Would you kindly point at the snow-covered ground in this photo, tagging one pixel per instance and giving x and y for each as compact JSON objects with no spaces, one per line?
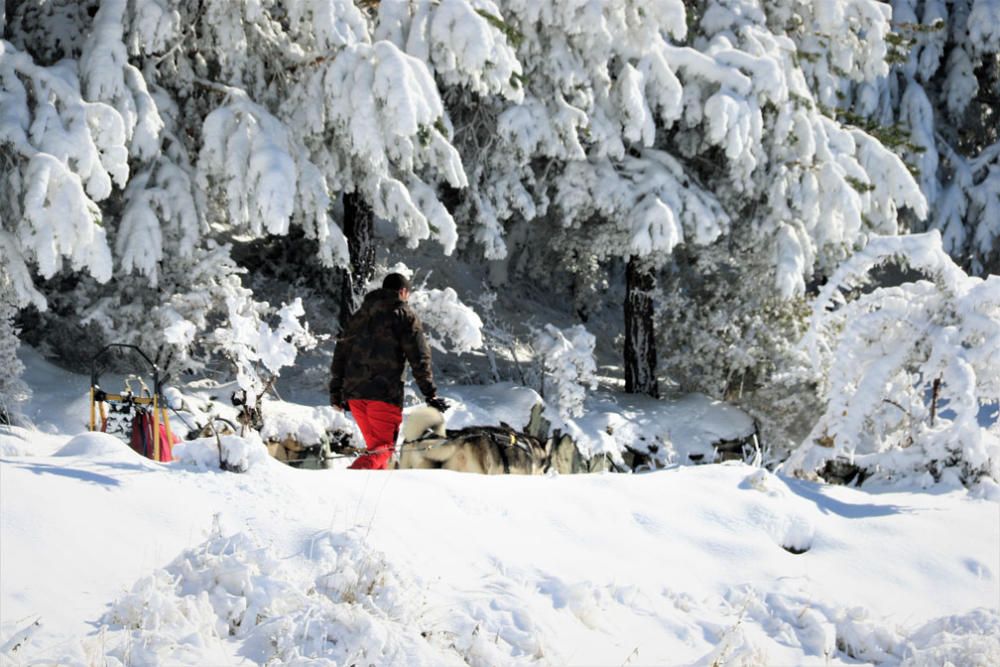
{"x":108,"y":558}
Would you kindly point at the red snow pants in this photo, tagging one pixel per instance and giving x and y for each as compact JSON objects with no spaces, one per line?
{"x":379,"y":423}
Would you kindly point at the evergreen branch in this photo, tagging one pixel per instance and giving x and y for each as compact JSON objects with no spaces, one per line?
{"x":513,"y":35}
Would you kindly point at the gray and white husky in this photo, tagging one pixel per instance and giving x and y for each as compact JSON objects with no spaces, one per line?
{"x":488,"y":450}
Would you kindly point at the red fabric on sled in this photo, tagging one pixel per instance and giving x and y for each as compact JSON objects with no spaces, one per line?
{"x":379,"y":423}
{"x":142,"y":434}
{"x":142,"y":438}
{"x":167,"y":444}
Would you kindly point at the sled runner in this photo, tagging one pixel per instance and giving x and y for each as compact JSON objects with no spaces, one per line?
{"x":136,"y":415}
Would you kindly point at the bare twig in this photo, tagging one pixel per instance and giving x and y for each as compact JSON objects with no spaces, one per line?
{"x":892,"y":402}
{"x":633,"y":654}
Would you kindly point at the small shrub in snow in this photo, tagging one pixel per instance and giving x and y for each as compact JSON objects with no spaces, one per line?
{"x":727,"y":334}
{"x":904,"y":371}
{"x":497,"y":334}
{"x":568,"y":359}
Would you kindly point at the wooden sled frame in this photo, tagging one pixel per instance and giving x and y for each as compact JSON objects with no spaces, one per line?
{"x":100,"y":398}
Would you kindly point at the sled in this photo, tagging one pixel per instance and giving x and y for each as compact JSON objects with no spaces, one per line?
{"x":137,"y":414}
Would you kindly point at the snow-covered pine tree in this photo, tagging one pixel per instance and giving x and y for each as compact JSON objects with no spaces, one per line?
{"x":592,"y":77}
{"x":188,"y":126}
{"x":60,"y":156}
{"x":697,"y":126}
{"x":938,"y":108}
{"x":470,"y":49}
{"x":465,"y":49}
{"x":803,"y":188}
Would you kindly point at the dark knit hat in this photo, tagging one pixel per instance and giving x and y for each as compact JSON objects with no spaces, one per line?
{"x":395,"y":282}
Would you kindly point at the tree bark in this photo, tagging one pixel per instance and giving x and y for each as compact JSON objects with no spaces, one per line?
{"x":640,"y":345}
{"x":359,"y":228}
{"x":935,"y":395}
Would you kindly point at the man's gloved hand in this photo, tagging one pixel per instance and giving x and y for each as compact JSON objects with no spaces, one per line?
{"x":438,"y":403}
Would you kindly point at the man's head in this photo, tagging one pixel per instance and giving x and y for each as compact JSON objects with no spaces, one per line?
{"x":397,"y":282}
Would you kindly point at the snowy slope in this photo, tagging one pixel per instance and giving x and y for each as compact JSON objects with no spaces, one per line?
{"x":125,"y":560}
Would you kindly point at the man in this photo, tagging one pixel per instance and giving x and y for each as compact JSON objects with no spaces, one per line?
{"x":369,"y":364}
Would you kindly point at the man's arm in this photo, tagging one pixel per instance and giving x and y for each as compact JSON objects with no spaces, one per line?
{"x":341,"y":353}
{"x":418,"y":353}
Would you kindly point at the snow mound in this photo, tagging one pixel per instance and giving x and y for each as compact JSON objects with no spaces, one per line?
{"x":98,"y":446}
{"x":12,"y":447}
{"x":339,"y":603}
{"x":747,"y":617}
{"x":238,"y":453}
{"x":682,"y":430}
{"x":966,"y":639}
{"x":781,"y":514}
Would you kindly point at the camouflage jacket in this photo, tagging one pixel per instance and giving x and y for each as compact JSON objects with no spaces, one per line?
{"x":369,"y":361}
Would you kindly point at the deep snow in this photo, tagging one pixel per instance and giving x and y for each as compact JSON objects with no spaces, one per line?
{"x":121,"y":559}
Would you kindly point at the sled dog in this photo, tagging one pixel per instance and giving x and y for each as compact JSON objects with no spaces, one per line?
{"x":488,"y":450}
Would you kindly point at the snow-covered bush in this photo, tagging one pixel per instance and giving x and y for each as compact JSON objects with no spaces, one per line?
{"x":724,"y":334}
{"x":252,"y":345}
{"x":567,"y":356}
{"x":348,"y":602}
{"x":451,"y":325}
{"x":500,"y":342}
{"x":904,"y":371}
{"x":239,"y":453}
{"x":448,"y":318}
{"x":306,"y":426}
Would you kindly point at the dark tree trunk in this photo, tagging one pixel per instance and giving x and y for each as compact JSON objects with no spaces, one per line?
{"x":640,"y":347}
{"x":359,"y":229}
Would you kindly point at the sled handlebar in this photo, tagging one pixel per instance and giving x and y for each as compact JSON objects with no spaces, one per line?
{"x":95,"y":375}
